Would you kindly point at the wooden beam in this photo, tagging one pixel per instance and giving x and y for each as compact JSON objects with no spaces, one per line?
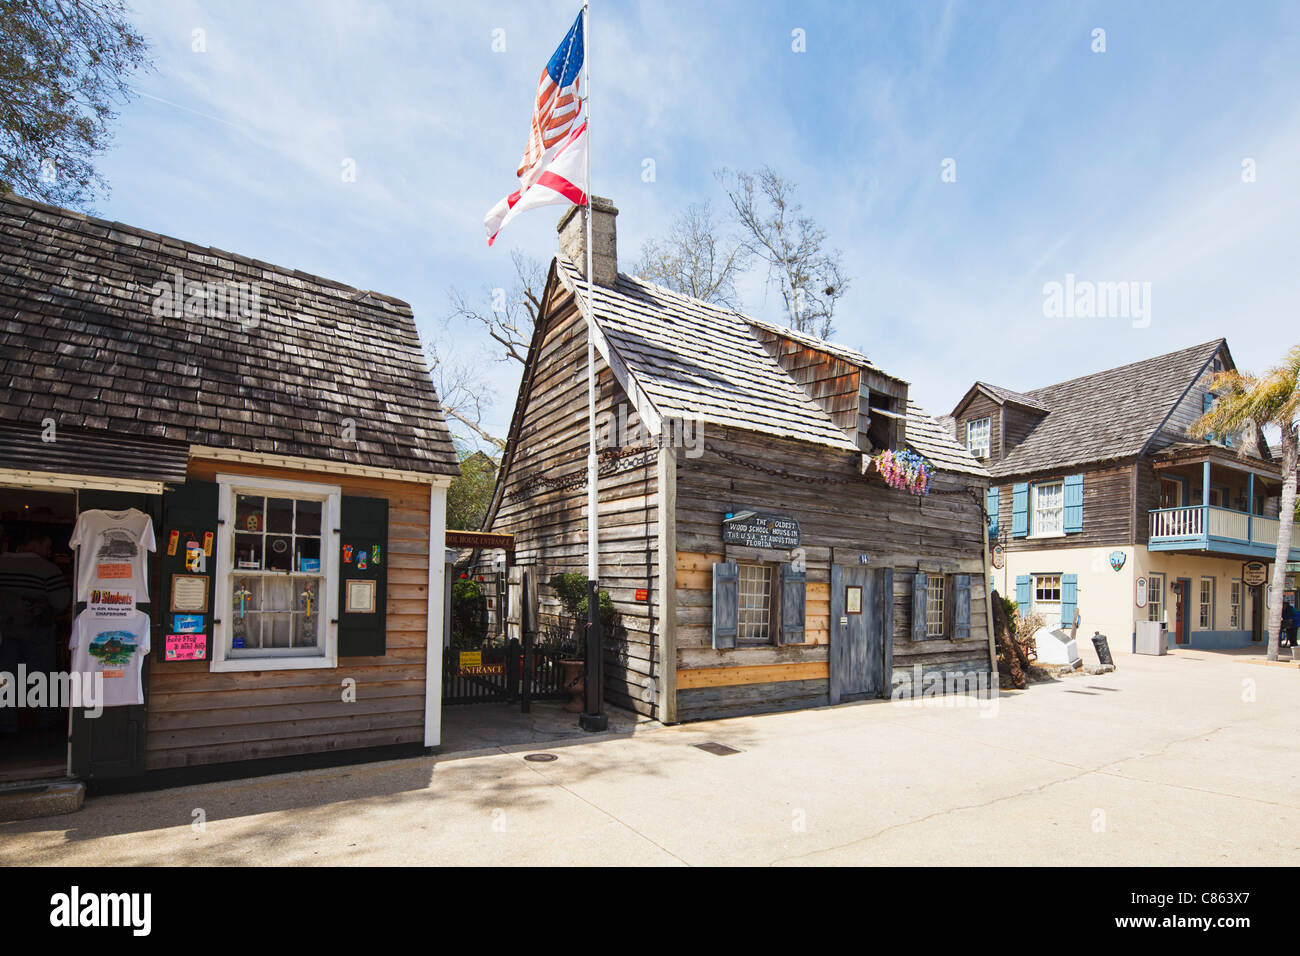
{"x":666,"y":480}
{"x":753,"y":674}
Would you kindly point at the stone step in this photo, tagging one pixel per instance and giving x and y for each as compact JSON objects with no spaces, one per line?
{"x":23,"y":800}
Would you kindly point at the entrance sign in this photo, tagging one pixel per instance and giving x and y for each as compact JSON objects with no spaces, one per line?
{"x":1254,"y":573}
{"x":756,"y":529}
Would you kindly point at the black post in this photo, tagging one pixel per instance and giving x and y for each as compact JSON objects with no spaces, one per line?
{"x":593,"y":718}
{"x":528,"y":622}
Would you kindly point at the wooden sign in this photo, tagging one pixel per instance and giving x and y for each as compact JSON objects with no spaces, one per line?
{"x":757,"y":529}
{"x":1142,"y":594}
{"x":1254,"y":573}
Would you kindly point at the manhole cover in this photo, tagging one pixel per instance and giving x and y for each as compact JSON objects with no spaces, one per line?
{"x":719,"y":750}
{"x":541,"y":758}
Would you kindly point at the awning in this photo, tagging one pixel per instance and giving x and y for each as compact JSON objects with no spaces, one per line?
{"x":80,"y":458}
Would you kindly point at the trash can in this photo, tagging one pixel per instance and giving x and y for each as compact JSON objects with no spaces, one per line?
{"x":1151,"y":638}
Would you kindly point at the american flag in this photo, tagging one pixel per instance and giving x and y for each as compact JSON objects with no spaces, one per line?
{"x":553,"y":167}
{"x":558,"y":103}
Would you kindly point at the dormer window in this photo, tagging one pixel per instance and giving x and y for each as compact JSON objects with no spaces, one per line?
{"x":977,"y":437}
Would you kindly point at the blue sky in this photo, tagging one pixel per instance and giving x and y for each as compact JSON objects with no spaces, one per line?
{"x":1124,"y":165}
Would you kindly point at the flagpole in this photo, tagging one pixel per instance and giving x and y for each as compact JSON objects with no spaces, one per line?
{"x":592,"y":718}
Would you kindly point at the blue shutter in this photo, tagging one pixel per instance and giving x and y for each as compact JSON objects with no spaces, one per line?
{"x":1073,"y":504}
{"x":991,"y":505}
{"x":1019,"y":510}
{"x":961,"y":607}
{"x":1207,"y":402}
{"x":726,"y":604}
{"x":1023,"y":596}
{"x":919,"y":601}
{"x":1069,"y":598}
{"x":793,"y":596}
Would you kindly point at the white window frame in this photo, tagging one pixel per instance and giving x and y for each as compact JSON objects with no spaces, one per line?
{"x":1035,"y":603}
{"x":1156,"y":597}
{"x":222,"y":605}
{"x":973,"y":430}
{"x":1035,"y":528}
{"x":936,"y":606}
{"x":1202,"y":605}
{"x":1235,"y":590}
{"x":757,"y":616}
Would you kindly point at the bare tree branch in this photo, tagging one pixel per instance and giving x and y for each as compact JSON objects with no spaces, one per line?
{"x":511,"y":313}
{"x":810,"y":276}
{"x":463,"y":393}
{"x":695,"y":259}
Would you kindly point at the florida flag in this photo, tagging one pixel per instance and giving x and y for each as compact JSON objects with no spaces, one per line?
{"x":554,"y":165}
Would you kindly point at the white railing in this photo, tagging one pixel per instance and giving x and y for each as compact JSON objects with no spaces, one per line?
{"x":1178,"y":522}
{"x":1265,"y":531}
{"x":1230,"y":524}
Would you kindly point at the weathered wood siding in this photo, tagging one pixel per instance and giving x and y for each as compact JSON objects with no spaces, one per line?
{"x":550,"y":524}
{"x":199,"y":717}
{"x":828,"y":380}
{"x":1107,"y":509}
{"x":862,"y":517}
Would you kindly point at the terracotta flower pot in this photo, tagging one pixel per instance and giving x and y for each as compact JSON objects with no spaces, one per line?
{"x":571,"y":672}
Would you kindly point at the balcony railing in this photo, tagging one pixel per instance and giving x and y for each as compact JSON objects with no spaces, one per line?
{"x":1210,"y":528}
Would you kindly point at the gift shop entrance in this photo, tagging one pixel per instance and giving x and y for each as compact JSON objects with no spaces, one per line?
{"x":35,"y":623}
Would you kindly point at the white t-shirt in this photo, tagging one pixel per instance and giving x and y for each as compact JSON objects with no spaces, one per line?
{"x":114,"y":647}
{"x":112,"y":551}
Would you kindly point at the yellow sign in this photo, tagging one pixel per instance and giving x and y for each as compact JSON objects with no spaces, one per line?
{"x":471,"y":658}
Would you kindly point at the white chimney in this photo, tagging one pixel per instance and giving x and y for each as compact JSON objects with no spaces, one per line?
{"x":604,"y":240}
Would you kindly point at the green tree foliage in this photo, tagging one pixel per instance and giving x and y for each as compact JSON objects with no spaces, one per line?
{"x":470,"y":493}
{"x":63,"y":66}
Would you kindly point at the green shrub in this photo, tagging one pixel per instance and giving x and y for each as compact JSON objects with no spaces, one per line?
{"x":468,"y":613}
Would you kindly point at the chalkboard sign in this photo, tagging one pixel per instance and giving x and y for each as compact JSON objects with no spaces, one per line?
{"x":1103,"y":649}
{"x":756,"y":529}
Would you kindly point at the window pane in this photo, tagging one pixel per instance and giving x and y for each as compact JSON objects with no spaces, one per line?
{"x":308,"y":517}
{"x":279,"y":514}
{"x":934,"y":595}
{"x":248,"y":551}
{"x":279,"y":556}
{"x":755,"y":589}
{"x":308,"y":549}
{"x":248,"y":513}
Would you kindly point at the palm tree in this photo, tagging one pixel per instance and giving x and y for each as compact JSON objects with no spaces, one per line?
{"x":1270,"y":399}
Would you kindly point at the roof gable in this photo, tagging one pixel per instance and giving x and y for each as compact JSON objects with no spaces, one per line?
{"x":95,"y":338}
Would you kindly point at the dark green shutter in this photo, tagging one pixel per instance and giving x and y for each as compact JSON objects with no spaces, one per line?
{"x":919,"y":584}
{"x":793,"y":597}
{"x":189,"y":509}
{"x":363,"y":526}
{"x":960,"y":607}
{"x":726,"y":604}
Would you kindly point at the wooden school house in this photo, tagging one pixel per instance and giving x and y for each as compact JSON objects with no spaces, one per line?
{"x":281,"y":433}
{"x":757,"y":559}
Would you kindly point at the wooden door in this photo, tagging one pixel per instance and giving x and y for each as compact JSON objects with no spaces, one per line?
{"x":862,"y":628}
{"x":1171,"y":493}
{"x":1182,"y":591}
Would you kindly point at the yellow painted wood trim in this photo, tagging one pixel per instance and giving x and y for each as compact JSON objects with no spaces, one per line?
{"x":753,"y":674}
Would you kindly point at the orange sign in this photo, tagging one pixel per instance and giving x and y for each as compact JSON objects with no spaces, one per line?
{"x":106,"y":572}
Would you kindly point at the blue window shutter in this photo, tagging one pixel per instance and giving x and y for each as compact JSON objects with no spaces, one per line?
{"x":1069,"y":598}
{"x":1207,"y":401}
{"x":726,"y":604}
{"x":1073,"y":504}
{"x":1023,"y":597}
{"x":919,"y":604}
{"x":793,"y":596}
{"x":991,"y":505}
{"x":960,"y":607}
{"x":1020,"y":510}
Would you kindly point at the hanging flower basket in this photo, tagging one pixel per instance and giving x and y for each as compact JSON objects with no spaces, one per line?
{"x":904,"y":470}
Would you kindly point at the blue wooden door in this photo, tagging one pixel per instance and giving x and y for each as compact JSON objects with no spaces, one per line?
{"x":861,"y":652}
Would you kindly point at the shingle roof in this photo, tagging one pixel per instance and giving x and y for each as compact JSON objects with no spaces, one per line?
{"x":697,"y":360}
{"x":1004,"y":395}
{"x":86,"y":341}
{"x":1108,"y":415}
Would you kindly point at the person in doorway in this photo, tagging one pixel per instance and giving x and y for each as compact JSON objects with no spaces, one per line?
{"x":1290,"y":623}
{"x":33,"y":593}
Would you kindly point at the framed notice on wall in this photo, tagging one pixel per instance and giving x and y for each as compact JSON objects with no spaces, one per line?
{"x":360,"y":597}
{"x":853,"y":599}
{"x":190,"y":593}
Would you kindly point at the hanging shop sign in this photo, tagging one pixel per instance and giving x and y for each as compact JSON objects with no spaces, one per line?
{"x":999,"y":557}
{"x":1254,"y":573}
{"x":758,"y":529}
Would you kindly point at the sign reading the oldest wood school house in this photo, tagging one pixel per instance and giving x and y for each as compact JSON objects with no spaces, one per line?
{"x":738,"y":496}
{"x":258,"y":460}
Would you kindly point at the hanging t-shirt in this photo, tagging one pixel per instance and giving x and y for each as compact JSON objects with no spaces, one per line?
{"x":114,"y":647}
{"x":112,"y":551}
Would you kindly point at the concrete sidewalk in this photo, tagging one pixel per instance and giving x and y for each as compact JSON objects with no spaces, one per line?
{"x":1187,"y":759}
